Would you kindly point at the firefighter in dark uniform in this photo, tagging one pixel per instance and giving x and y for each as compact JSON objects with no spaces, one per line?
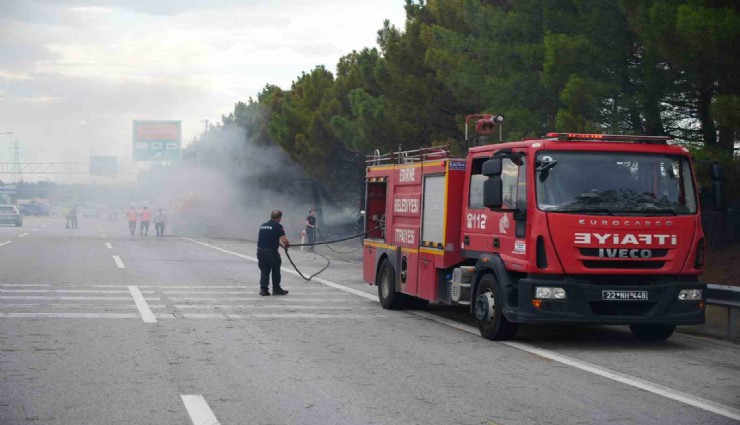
{"x":271,"y":236}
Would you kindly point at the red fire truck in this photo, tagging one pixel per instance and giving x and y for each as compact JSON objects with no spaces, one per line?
{"x":564,"y":229}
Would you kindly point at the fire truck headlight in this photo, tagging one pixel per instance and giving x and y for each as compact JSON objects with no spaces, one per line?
{"x":549,"y":293}
{"x":542,"y":292}
{"x":690,"y":295}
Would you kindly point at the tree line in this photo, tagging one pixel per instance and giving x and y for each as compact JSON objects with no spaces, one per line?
{"x":655,"y":67}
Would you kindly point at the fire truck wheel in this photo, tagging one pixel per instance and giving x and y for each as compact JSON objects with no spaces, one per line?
{"x":389,"y":298}
{"x":491,"y":323}
{"x":652,"y":332}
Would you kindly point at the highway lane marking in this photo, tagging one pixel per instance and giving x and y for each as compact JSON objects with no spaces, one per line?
{"x":5,"y":243}
{"x":179,"y":287}
{"x":291,"y":271}
{"x":224,"y":315}
{"x":252,"y":292}
{"x":198,"y":410}
{"x":23,"y":235}
{"x":68,"y":315}
{"x":72,"y":298}
{"x":23,"y":284}
{"x":290,"y":300}
{"x":286,"y":307}
{"x":71,"y":291}
{"x":670,"y":393}
{"x":104,"y":237}
{"x":327,"y":316}
{"x":35,"y":230}
{"x":34,"y":297}
{"x":146,"y":313}
{"x":119,"y":262}
{"x":247,"y":306}
{"x":71,"y":305}
{"x":108,"y":245}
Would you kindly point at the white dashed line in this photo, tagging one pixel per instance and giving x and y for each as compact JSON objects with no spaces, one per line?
{"x":198,"y":410}
{"x":23,"y":235}
{"x":119,"y":262}
{"x":108,"y":245}
{"x":5,"y":243}
{"x":146,"y":313}
{"x":670,"y":393}
{"x":35,"y":230}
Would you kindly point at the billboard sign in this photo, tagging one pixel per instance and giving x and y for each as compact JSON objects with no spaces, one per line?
{"x":103,"y":165}
{"x":157,"y":140}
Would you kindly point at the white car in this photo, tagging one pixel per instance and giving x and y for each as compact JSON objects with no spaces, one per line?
{"x":10,"y":214}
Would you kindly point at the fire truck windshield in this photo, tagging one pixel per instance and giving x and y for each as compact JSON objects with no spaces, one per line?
{"x":612,"y":183}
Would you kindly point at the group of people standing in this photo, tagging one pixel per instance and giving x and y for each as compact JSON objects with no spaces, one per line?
{"x":144,"y":217}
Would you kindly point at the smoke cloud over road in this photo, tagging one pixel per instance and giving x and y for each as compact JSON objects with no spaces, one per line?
{"x":226,"y":186}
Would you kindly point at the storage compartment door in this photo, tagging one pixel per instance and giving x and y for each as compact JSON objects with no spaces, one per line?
{"x":432,"y":233}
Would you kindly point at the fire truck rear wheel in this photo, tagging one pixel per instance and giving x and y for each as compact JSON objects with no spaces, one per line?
{"x":386,"y":281}
{"x":488,"y":303}
{"x":652,"y":332}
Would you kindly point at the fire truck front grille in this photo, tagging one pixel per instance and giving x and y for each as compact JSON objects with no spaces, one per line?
{"x":621,"y":308}
{"x":608,"y":264}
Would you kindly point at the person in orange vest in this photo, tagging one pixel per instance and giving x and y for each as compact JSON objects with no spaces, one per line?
{"x":131,"y":216}
{"x":146,"y":217}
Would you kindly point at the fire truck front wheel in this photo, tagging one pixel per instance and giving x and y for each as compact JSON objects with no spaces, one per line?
{"x":488,"y":304}
{"x":386,"y":281}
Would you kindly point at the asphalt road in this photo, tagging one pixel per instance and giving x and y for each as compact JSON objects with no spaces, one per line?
{"x":98,"y":327}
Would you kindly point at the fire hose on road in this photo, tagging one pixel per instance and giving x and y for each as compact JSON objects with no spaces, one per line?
{"x":324,"y":242}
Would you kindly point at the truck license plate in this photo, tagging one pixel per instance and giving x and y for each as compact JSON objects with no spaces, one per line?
{"x":624,"y":295}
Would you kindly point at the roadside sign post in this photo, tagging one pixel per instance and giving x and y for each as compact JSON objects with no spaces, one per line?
{"x":157,"y":141}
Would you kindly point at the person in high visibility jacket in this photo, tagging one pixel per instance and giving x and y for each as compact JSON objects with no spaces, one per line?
{"x":146,"y":217}
{"x":131,"y":215}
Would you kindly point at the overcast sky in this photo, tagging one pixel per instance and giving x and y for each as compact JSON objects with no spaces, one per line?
{"x":75,"y":73}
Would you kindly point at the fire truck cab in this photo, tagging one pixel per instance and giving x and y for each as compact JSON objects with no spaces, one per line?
{"x":564,"y":229}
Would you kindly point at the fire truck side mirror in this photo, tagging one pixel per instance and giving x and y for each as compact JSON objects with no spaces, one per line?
{"x":493,"y":192}
{"x":493,"y":187}
{"x":492,"y":167}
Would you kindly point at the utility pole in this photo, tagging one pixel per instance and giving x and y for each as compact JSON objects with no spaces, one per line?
{"x":15,"y":158}
{"x":6,"y":132}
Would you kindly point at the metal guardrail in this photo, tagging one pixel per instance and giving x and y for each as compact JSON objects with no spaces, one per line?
{"x":729,"y":297}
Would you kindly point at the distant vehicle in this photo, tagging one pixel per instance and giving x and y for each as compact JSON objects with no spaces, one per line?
{"x":34,"y":208}
{"x":10,"y":214}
